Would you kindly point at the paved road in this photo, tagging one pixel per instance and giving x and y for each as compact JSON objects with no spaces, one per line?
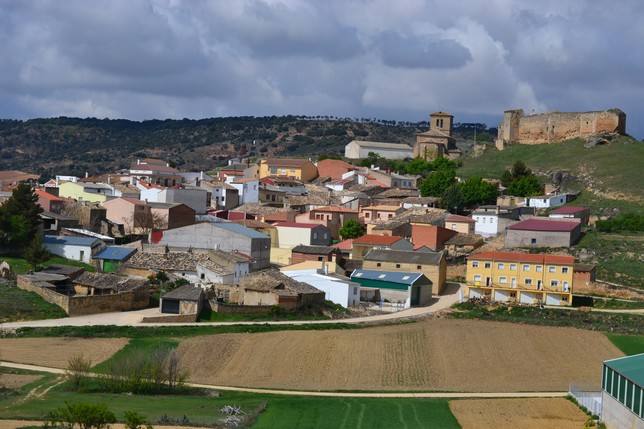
{"x":134,"y":318}
{"x":331,"y":394}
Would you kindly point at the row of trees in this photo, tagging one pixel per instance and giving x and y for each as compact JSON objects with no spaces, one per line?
{"x":91,"y":416}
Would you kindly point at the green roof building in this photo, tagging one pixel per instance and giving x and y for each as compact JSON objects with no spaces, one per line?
{"x":623,"y":392}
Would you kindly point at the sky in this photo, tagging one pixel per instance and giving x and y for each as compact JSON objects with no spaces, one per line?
{"x":402,"y":59}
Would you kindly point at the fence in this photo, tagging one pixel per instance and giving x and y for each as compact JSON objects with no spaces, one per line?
{"x":589,"y":398}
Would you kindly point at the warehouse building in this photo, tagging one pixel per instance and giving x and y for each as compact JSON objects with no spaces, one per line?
{"x":622,"y":392}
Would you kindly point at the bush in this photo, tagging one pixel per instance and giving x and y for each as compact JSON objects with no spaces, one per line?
{"x":78,"y":368}
{"x":134,"y":420}
{"x":628,"y":222}
{"x":84,"y":416}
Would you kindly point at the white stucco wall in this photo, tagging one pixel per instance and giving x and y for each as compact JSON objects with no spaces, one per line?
{"x":340,"y":292}
{"x":71,"y":252}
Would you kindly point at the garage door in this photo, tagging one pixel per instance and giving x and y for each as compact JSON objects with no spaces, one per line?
{"x":170,"y":306}
{"x":476,"y":293}
{"x":501,"y":296}
{"x":528,"y":298}
{"x":553,"y":299}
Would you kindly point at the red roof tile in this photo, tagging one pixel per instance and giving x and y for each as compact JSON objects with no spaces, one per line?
{"x":376,"y":240}
{"x":298,"y":225}
{"x":535,"y":258}
{"x":458,"y":218}
{"x":569,"y":210}
{"x":334,"y":209}
{"x":44,"y":194}
{"x":344,"y":245}
{"x":544,"y":225}
{"x":333,"y":168}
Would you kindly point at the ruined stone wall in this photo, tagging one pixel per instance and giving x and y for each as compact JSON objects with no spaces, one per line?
{"x":557,"y":126}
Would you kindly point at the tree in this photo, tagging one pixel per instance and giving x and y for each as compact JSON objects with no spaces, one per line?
{"x":35,"y":253}
{"x":134,"y":420}
{"x":78,"y":368}
{"x":437,"y":182}
{"x":452,"y":199}
{"x":352,"y":229}
{"x":20,"y":217}
{"x":82,"y":416}
{"x":526,"y":186}
{"x":476,"y":191}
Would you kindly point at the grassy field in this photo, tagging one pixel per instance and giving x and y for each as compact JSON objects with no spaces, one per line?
{"x":280,"y":411}
{"x":619,"y":257}
{"x":18,"y":304}
{"x":21,"y":266}
{"x":617,"y":304}
{"x":137,"y":345}
{"x":612,"y":168}
{"x":629,"y":344}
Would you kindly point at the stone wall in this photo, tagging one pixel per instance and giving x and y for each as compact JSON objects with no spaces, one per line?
{"x":171,"y":318}
{"x":557,"y":126}
{"x":219,"y":307}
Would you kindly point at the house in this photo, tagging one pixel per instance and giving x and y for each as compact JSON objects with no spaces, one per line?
{"x":247,"y":189}
{"x":303,"y":253}
{"x":49,"y":202}
{"x":263,"y":227}
{"x":571,"y":212}
{"x":334,"y":169}
{"x":359,"y":149}
{"x":262,"y":213}
{"x":9,"y":179}
{"x":271,"y":195}
{"x":300,"y":169}
{"x":54,"y":223}
{"x":394,"y":180}
{"x":171,"y":215}
{"x":291,"y":234}
{"x":462,"y":224}
{"x":463,"y":244}
{"x":520,"y":277}
{"x":622,"y":390}
{"x":432,"y":264}
{"x":432,"y":237}
{"x":134,"y":215}
{"x":222,"y":267}
{"x":546,"y":201}
{"x":194,"y":178}
{"x":155,"y":171}
{"x":491,"y":220}
{"x":226,"y":236}
{"x":584,"y":274}
{"x":82,"y":249}
{"x":362,"y":245}
{"x":111,"y":258}
{"x":333,"y":217}
{"x":338,"y":290}
{"x":543,"y":232}
{"x":272,"y":288}
{"x":87,"y":233}
{"x":223,"y":195}
{"x":398,"y":288}
{"x":85,"y":191}
{"x":285,"y":184}
{"x":238,"y":170}
{"x":184,"y":300}
{"x":419,"y":202}
{"x":93,"y":284}
{"x":196,"y":198}
{"x":372,"y":214}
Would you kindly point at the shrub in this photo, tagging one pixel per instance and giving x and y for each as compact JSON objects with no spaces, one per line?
{"x":78,"y":368}
{"x":81,"y":415}
{"x":134,"y":420}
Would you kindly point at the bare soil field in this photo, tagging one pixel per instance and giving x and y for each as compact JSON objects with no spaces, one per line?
{"x":16,"y":381}
{"x":534,"y":413}
{"x":432,"y":355}
{"x":55,"y":352}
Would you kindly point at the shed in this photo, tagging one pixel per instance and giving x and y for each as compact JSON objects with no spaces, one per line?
{"x":186,"y":299}
{"x":111,"y":258}
{"x":623,"y":392}
{"x":405,"y":289}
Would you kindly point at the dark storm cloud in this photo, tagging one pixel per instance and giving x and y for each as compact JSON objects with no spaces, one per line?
{"x":175,"y":58}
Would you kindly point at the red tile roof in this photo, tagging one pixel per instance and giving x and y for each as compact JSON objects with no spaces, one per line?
{"x":569,"y":210}
{"x":46,"y":195}
{"x":298,"y":225}
{"x":535,"y":258}
{"x":287,"y":162}
{"x":344,"y":245}
{"x":334,"y":209}
{"x":376,"y":240}
{"x":544,"y":225}
{"x":458,"y":218}
{"x":333,"y":168}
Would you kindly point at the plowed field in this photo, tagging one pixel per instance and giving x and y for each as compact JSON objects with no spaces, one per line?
{"x":438,"y":355}
{"x":55,"y":352}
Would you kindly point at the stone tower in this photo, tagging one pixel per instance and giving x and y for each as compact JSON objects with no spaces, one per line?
{"x":438,"y":140}
{"x":441,"y":121}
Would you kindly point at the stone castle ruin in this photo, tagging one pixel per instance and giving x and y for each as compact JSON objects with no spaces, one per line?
{"x":553,"y":127}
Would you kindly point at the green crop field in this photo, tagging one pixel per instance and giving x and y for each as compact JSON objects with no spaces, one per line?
{"x":21,"y":266}
{"x":629,"y":344}
{"x":18,"y":304}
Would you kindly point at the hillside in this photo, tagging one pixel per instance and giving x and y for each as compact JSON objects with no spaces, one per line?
{"x":74,"y":146}
{"x":608,"y":172}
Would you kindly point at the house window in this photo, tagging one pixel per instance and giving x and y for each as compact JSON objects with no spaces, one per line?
{"x":315,"y":235}
{"x":397,"y":265}
{"x":477,"y":278}
{"x":513,"y":267}
{"x":566,"y":286}
{"x":554,"y":283}
{"x":488,"y":265}
{"x":418,"y":267}
{"x":366,"y":214}
{"x":526,"y":267}
{"x":539,"y":268}
{"x":355,"y":290}
{"x":378,"y":264}
{"x":528,"y":282}
{"x":203,"y":276}
{"x":564,"y":270}
{"x":533,"y":241}
{"x":82,"y":255}
{"x":500,"y":266}
{"x":503,"y":280}
{"x":320,"y":258}
{"x":390,"y":215}
{"x":552,"y":269}
{"x":475,"y":264}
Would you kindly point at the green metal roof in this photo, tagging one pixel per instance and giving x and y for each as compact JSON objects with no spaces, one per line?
{"x":631,"y":367}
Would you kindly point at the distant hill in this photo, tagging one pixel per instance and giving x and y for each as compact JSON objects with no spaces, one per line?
{"x":75,"y":146}
{"x":611,"y":171}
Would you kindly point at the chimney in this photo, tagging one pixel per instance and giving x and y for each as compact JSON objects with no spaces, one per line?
{"x":86,"y":174}
{"x":498,"y":209}
{"x":138,"y":162}
{"x":109,"y":179}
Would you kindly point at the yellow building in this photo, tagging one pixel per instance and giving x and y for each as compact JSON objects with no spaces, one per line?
{"x":85,"y":191}
{"x":300,"y":169}
{"x":520,"y":277}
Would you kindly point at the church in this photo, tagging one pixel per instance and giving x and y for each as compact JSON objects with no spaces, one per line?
{"x":437,"y":141}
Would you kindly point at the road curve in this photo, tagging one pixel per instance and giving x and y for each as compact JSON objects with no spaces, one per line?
{"x":446,"y":395}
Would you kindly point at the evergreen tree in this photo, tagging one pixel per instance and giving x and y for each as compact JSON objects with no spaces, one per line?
{"x":437,"y":182}
{"x":35,"y":253}
{"x":352,"y":229}
{"x":475,"y":191}
{"x":19,"y":217}
{"x":452,"y":199}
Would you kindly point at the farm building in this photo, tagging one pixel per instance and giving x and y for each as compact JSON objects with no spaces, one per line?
{"x":543,"y":232}
{"x":272,"y":288}
{"x":400,"y":289}
{"x":358,"y":149}
{"x":184,"y":300}
{"x":111,"y":258}
{"x":337,"y":290}
{"x":312,"y":253}
{"x":571,"y":212}
{"x":491,"y":220}
{"x":584,"y":274}
{"x":362,"y":245}
{"x":462,"y":224}
{"x":82,"y":249}
{"x":623,"y":392}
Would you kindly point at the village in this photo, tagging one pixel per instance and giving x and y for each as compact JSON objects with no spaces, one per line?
{"x":299,"y":239}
